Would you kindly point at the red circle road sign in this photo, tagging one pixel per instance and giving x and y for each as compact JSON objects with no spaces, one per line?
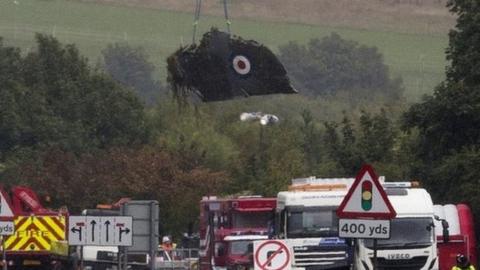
{"x":272,"y":255}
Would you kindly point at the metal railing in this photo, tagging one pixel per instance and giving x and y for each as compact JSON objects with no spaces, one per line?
{"x":177,"y":259}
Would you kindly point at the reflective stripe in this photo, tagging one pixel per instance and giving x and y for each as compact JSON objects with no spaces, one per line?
{"x":36,"y":233}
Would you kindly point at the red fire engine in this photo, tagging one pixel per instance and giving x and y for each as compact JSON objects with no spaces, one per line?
{"x":228,"y":227}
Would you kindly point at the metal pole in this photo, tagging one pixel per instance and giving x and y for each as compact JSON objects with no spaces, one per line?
{"x":119,"y":258}
{"x":153,"y":235}
{"x":125,"y":257}
{"x":81,"y":257}
{"x":4,"y":254}
{"x":374,"y":254}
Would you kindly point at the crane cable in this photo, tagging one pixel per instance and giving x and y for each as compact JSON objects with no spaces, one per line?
{"x":225,"y":9}
{"x":198,"y":7}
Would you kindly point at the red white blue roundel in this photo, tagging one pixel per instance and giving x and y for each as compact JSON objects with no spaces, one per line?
{"x":241,"y":65}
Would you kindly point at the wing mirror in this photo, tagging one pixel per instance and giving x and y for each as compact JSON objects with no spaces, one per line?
{"x":445,"y":231}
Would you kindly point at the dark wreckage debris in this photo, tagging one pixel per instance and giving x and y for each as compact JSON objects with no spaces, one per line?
{"x":224,"y":67}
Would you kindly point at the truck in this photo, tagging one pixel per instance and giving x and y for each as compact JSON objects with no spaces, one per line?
{"x":460,"y":237}
{"x":412,"y":243}
{"x":39,"y":239}
{"x":306,"y":220}
{"x":228,"y":227}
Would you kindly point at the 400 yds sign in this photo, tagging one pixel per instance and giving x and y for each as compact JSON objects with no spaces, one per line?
{"x":364,"y":228}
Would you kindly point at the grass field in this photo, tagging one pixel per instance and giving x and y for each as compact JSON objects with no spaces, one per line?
{"x":418,"y":58}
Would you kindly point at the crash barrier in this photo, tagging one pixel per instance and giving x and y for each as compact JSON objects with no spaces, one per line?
{"x":177,"y":259}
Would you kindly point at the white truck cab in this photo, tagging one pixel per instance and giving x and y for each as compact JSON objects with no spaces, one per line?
{"x":306,"y":220}
{"x":412,"y":244}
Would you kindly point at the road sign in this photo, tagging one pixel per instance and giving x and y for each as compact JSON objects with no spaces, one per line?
{"x":6,"y":212}
{"x":7,"y":227}
{"x":271,"y":255}
{"x":108,"y":231}
{"x":364,"y":228}
{"x":366,"y":198}
{"x":77,"y":230}
{"x":93,"y":230}
{"x":100,"y":231}
{"x":122,"y":231}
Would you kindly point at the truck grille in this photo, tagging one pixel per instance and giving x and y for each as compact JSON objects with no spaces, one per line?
{"x":321,"y":258}
{"x":414,"y":263}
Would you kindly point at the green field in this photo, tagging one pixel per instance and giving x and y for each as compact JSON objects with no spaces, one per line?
{"x":418,"y":58}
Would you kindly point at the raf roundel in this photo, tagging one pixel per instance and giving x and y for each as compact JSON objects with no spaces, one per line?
{"x":241,"y":65}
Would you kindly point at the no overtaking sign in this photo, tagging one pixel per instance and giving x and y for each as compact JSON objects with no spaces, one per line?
{"x":271,"y":255}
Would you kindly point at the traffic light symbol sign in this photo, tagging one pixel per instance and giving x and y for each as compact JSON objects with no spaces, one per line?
{"x":367,"y":195}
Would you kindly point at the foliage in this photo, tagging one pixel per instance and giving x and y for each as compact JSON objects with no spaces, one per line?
{"x":456,"y":180}
{"x":371,"y":141}
{"x":107,"y":175}
{"x":130,"y":67}
{"x":464,"y":44}
{"x":53,"y":98}
{"x":447,"y":122}
{"x":333,"y":64}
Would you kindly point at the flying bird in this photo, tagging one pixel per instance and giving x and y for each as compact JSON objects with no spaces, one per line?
{"x":223,"y":67}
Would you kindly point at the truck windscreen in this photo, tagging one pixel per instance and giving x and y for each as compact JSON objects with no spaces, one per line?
{"x":314,"y":223}
{"x":251,"y":219}
{"x":241,"y":247}
{"x":406,"y":233}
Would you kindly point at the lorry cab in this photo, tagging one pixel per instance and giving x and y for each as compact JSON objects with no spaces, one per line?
{"x":235,"y":251}
{"x":306,"y":220}
{"x":228,"y":227}
{"x":412,"y":244}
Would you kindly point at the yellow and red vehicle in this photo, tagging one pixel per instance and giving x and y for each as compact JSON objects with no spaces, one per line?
{"x":39,"y":240}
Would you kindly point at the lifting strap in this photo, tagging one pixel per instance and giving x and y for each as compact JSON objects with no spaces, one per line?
{"x":198,"y":7}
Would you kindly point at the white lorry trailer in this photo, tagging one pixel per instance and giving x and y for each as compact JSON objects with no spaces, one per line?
{"x":412,"y":244}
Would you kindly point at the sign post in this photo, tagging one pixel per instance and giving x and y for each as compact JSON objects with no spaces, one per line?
{"x":6,"y":228}
{"x":4,"y":254}
{"x":365,"y":212}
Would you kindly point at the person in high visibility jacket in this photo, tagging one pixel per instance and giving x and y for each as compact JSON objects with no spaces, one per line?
{"x":167,"y":244}
{"x":463,"y":263}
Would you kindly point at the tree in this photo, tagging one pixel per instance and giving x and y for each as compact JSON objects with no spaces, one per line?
{"x":147,"y":172}
{"x":332,"y":64}
{"x":130,"y":67}
{"x":54,"y":99}
{"x":448,"y":122}
{"x":371,"y":141}
{"x":464,"y":45}
{"x":311,"y":145}
{"x":376,"y":138}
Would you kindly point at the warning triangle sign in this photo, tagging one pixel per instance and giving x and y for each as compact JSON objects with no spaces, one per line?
{"x":366,"y":198}
{"x":6,"y":212}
